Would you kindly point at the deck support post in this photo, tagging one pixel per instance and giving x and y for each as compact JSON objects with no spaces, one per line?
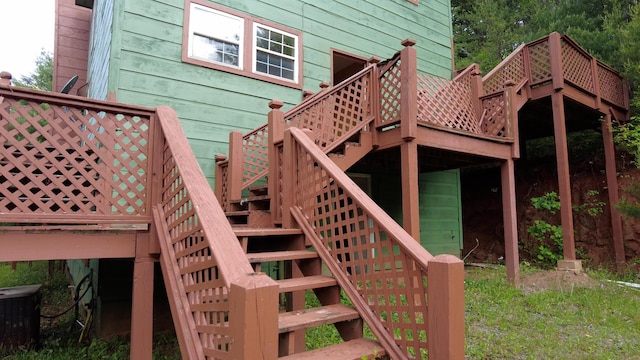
{"x":612,"y":189}
{"x":410,"y":188}
{"x":510,"y":220}
{"x":564,"y":179}
{"x":142,"y":301}
{"x":445,"y":333}
{"x":408,"y":91}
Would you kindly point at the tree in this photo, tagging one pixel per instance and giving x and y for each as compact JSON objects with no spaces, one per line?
{"x":42,"y":77}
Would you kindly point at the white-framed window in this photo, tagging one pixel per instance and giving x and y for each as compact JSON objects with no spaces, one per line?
{"x":227,"y":40}
{"x":216,"y":36}
{"x":275,"y":52}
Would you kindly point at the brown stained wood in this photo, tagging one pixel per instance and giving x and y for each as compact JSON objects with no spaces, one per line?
{"x":510,"y":221}
{"x":410,"y":189}
{"x":564,"y":178}
{"x":142,"y":309}
{"x":350,"y":350}
{"x":446,"y":308}
{"x":612,"y":189}
{"x":63,"y":245}
{"x":307,"y":318}
{"x":408,"y":90}
{"x":306,"y":283}
{"x":281,"y":255}
{"x":242,"y":232}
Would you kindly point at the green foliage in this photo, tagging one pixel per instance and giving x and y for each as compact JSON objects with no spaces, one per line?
{"x":547,"y":252}
{"x":549,"y":202}
{"x":591,"y":205}
{"x":42,"y":77}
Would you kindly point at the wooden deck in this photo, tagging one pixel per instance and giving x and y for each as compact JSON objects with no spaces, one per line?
{"x":92,"y":179}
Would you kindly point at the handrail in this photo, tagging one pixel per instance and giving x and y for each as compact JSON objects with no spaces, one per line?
{"x":206,"y":256}
{"x":364,"y":244}
{"x":255,"y":143}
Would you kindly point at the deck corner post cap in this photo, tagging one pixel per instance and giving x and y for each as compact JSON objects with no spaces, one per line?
{"x":408,"y":42}
{"x":275,"y":104}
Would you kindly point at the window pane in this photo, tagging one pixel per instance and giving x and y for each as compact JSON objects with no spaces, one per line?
{"x":274,"y":71}
{"x":276,"y":48}
{"x":262,"y":43}
{"x":262,"y":32}
{"x":287,"y":64}
{"x":262,"y":56}
{"x":287,"y":74}
{"x":289,"y":51}
{"x":289,"y":41}
{"x":275,"y":60}
{"x":261,"y":67}
{"x":277,"y":37}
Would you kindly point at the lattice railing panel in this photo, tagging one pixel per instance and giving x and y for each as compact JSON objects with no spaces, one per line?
{"x":540,"y":62}
{"x":447,"y":103}
{"x":576,"y":67}
{"x":337,"y":113}
{"x":57,"y":159}
{"x":222,"y":175}
{"x":256,"y":155}
{"x":386,"y":276}
{"x":611,"y":86}
{"x":390,"y":92}
{"x":511,"y":69}
{"x":206,"y":292}
{"x":494,"y":121}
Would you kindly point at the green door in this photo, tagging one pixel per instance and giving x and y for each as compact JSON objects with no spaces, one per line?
{"x":440,"y":212}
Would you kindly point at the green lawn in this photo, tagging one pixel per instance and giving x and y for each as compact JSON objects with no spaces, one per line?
{"x":552,"y":316}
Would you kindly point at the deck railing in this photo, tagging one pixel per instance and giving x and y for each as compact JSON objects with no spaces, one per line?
{"x":385,"y":272}
{"x":333,"y":115}
{"x":218,"y":302}
{"x":560,"y":60}
{"x":65,"y":159}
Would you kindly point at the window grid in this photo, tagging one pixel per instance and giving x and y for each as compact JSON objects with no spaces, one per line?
{"x":275,"y":52}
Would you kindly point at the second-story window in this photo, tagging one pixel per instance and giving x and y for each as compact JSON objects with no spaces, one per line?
{"x":227,"y":40}
{"x":275,"y":52}
{"x":216,"y":36}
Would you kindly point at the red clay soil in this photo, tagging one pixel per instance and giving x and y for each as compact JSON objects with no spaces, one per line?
{"x":482,"y":210}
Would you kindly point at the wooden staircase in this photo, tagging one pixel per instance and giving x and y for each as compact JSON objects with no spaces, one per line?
{"x":300,"y":270}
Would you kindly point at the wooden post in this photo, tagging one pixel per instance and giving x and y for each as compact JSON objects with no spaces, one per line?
{"x":375,"y":99}
{"x":5,"y":78}
{"x":253,"y":314}
{"x":275,"y":120}
{"x":236,"y":166}
{"x":476,"y":91}
{"x":408,"y":91}
{"x":596,"y":84}
{"x":555,"y":54}
{"x":288,"y":177}
{"x":612,"y":189}
{"x":510,"y":220}
{"x":142,"y":301}
{"x":410,"y":188}
{"x":511,"y":114}
{"x":564,"y":180}
{"x":445,"y":293}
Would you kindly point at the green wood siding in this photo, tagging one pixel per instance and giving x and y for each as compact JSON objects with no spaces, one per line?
{"x":145,"y":65}
{"x":440,"y":212}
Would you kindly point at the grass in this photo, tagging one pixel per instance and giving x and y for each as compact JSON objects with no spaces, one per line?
{"x":571,"y":322}
{"x":60,"y":336}
{"x":595,"y":319}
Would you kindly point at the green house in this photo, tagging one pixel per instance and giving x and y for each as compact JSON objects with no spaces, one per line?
{"x":219,"y":63}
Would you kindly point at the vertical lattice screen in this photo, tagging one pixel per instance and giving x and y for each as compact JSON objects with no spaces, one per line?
{"x":513,"y":69}
{"x":388,"y":278}
{"x":256,"y":158}
{"x":206,"y":291}
{"x":447,"y":103}
{"x":576,"y":67}
{"x":390,"y":92}
{"x":64,"y":159}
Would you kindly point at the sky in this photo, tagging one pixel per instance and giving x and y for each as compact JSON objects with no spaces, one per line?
{"x":26,"y":26}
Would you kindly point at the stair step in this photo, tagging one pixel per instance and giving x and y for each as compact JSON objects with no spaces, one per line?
{"x":259,"y":190}
{"x":237,"y":213}
{"x":307,"y":318}
{"x":356,"y":349}
{"x":306,"y":283}
{"x":281,"y":255}
{"x":244,"y":231}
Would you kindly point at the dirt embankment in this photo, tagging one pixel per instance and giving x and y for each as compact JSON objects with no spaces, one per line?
{"x":482,"y":210}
